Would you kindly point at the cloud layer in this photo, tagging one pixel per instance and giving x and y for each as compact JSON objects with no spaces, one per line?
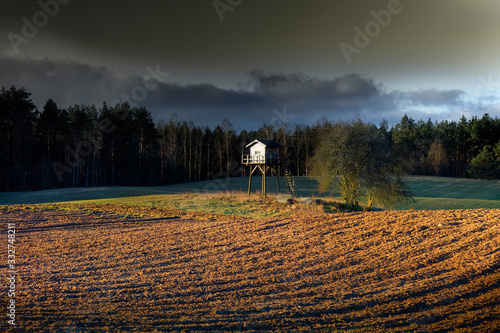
{"x":263,"y":98}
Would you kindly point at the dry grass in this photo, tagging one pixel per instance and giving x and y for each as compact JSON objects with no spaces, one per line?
{"x":239,"y":203}
{"x":120,"y":268}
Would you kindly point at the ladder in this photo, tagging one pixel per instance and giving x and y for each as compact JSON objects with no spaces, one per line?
{"x":290,"y":182}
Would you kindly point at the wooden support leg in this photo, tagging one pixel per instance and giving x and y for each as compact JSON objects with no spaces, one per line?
{"x":250,"y":181}
{"x":264,"y":180}
{"x":261,"y":180}
{"x":278,"y":181}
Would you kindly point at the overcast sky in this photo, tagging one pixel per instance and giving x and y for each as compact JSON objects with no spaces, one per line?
{"x":258,"y":61}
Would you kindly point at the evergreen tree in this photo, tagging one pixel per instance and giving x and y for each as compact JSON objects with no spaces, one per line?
{"x":18,"y":117}
{"x":52,"y":130}
{"x":147,"y":146}
{"x":486,"y":164}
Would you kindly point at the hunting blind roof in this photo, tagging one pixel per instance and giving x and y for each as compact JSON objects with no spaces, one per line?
{"x":267,"y":143}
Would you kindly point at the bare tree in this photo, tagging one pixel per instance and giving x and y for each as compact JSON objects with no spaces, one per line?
{"x":199,"y":152}
{"x":437,"y":158}
{"x":219,"y":146}
{"x":207,"y":135}
{"x":284,"y":134}
{"x":227,"y":129}
{"x":298,"y":140}
{"x":268,"y":132}
{"x":190,"y":129}
{"x":172,"y":131}
{"x":184,"y":132}
{"x":162,"y":141}
{"x":307,"y":133}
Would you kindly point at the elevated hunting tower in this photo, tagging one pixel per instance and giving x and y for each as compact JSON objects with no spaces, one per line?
{"x":264,"y":155}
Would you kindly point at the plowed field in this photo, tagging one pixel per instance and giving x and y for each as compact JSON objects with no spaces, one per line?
{"x":115,"y":268}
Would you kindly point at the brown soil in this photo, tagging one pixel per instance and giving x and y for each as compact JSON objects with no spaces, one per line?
{"x":119,"y":268}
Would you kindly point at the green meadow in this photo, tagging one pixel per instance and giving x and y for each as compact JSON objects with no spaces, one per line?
{"x":229,"y":196}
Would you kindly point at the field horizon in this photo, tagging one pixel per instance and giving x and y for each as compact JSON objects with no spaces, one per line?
{"x":429,"y":193}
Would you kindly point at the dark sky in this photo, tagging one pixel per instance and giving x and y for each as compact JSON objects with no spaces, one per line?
{"x":258,"y":61}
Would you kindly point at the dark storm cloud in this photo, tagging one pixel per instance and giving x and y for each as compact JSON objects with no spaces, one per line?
{"x":434,"y":97}
{"x":65,"y":81}
{"x":290,"y":86}
{"x":266,"y":98}
{"x":203,"y":96}
{"x":312,"y":98}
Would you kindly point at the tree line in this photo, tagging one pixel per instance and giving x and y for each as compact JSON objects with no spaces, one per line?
{"x":88,"y":146}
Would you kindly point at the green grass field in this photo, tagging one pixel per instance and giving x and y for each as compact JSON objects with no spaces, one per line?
{"x":451,"y":193}
{"x":429,"y":193}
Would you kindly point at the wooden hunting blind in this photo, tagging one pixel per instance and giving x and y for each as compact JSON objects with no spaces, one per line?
{"x":264,"y":156}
